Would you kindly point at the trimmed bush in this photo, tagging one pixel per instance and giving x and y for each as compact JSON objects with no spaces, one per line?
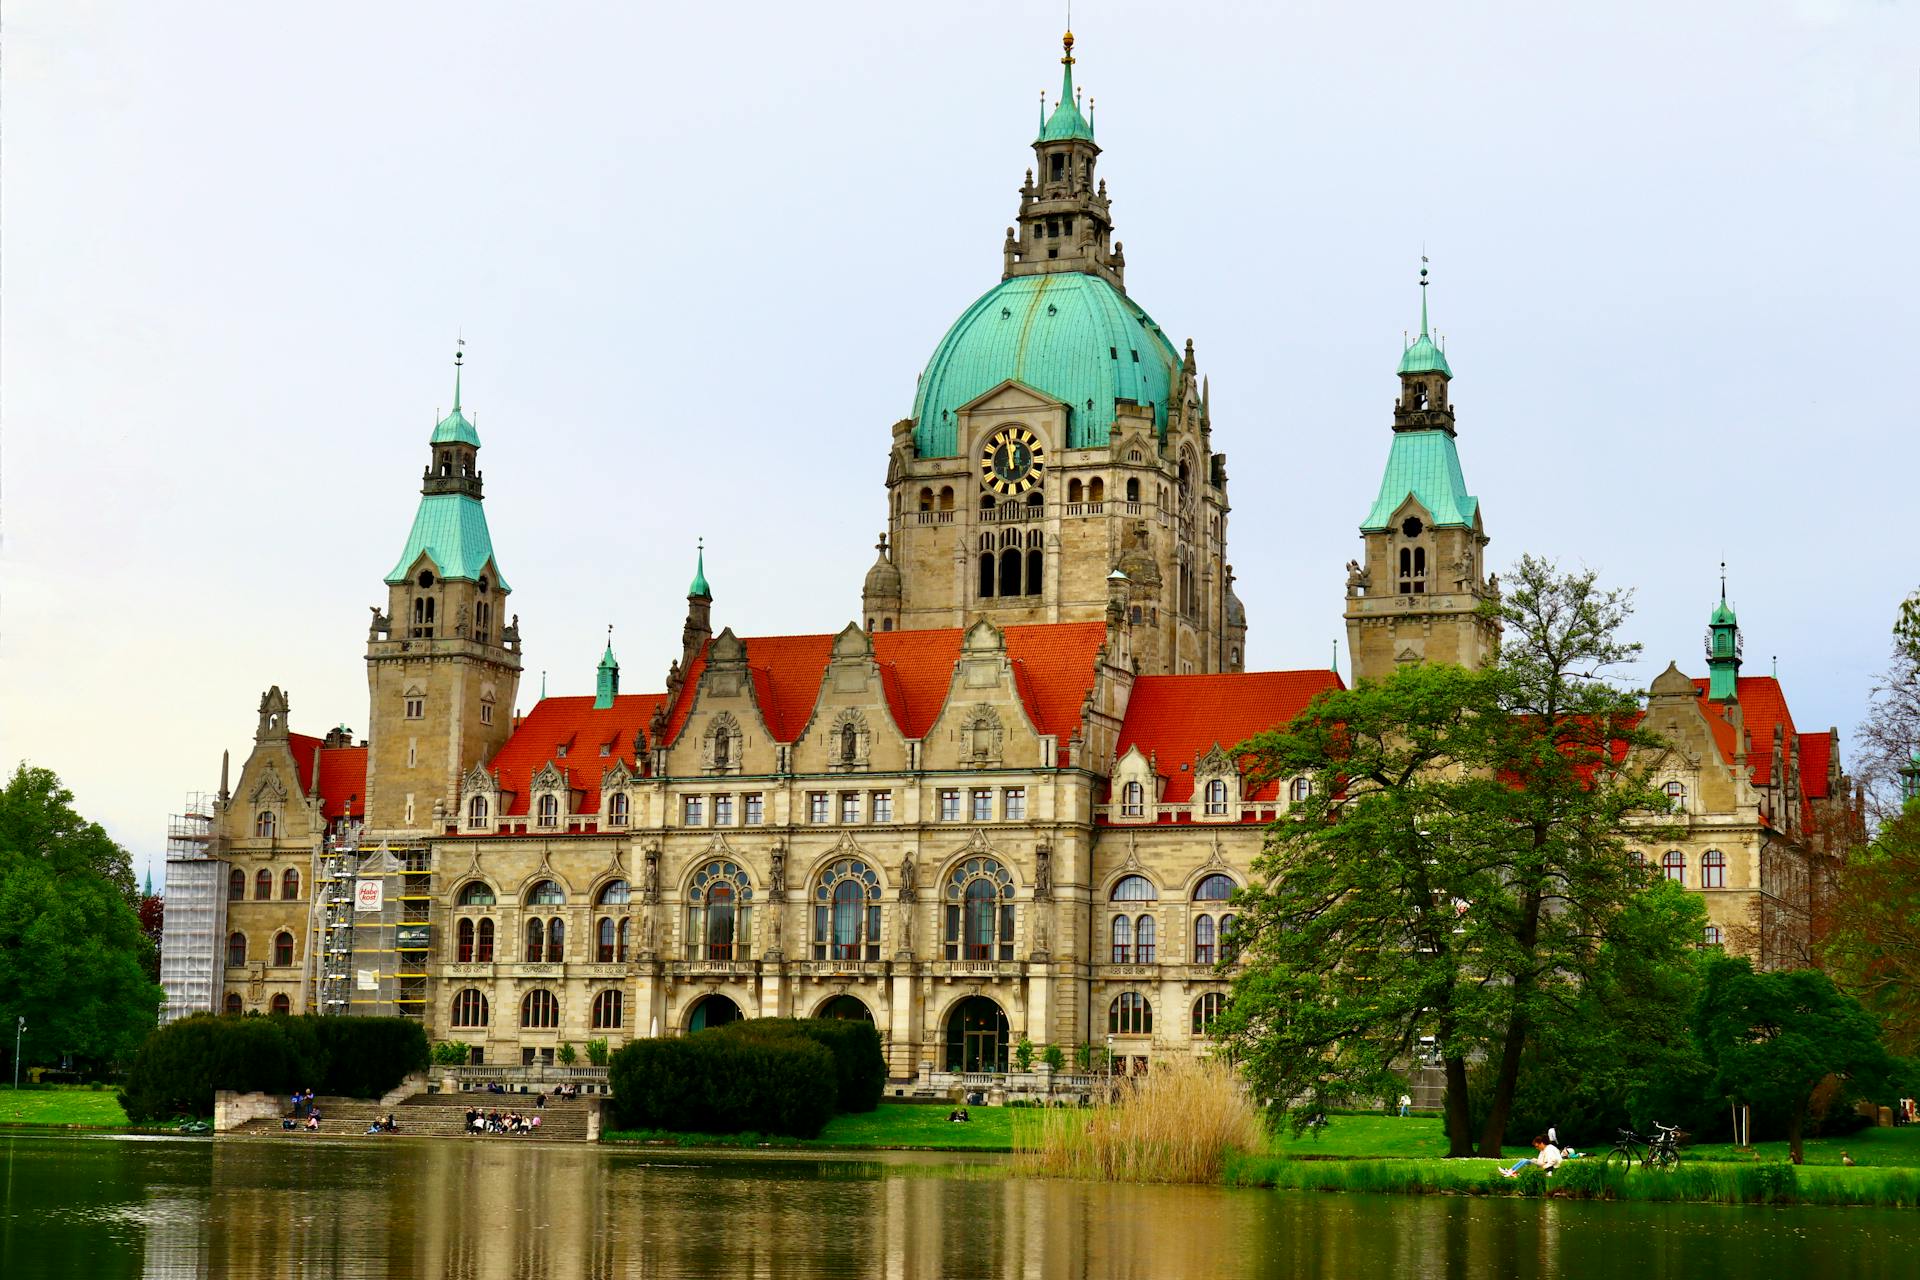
{"x":180,"y":1066}
{"x":712,"y":1082}
{"x":859,"y":1066}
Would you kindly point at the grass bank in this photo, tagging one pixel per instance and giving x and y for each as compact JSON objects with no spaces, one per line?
{"x":892,"y":1126}
{"x":1766,"y":1182}
{"x":77,"y":1106}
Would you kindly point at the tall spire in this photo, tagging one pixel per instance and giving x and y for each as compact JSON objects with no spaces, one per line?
{"x":1725,"y":647}
{"x":1423,"y":355}
{"x":607,"y":677}
{"x":459,"y":354}
{"x":699,"y":588}
{"x":1066,"y":122}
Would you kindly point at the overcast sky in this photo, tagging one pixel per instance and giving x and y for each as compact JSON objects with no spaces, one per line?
{"x":700,"y":254}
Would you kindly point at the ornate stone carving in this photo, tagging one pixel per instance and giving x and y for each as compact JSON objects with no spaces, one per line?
{"x":909,"y":878}
{"x":650,"y":878}
{"x":1043,"y":872}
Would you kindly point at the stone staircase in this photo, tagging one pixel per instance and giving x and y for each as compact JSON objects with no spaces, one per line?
{"x":441,"y":1115}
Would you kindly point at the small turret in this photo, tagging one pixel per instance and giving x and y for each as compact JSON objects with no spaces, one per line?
{"x":607,"y":681}
{"x":699,"y":628}
{"x":880,"y":597}
{"x":1725,"y":648}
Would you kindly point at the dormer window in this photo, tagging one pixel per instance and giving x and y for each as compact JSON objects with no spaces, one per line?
{"x":548,"y":811}
{"x":1133,"y":800}
{"x":1216,"y":801}
{"x":1677,"y":796}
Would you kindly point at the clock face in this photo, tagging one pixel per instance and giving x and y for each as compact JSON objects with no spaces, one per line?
{"x":1010,"y":462}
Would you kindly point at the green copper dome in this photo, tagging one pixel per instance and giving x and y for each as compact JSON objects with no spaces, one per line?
{"x":1424,"y":357}
{"x":455,"y":429}
{"x":1723,"y":616}
{"x":1071,"y":336}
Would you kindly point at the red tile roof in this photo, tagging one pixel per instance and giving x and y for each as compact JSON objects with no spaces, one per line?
{"x":343,"y":782}
{"x":1763,"y":704}
{"x":582,"y":729}
{"x":1816,"y":755}
{"x":303,"y":748}
{"x":1178,"y":719}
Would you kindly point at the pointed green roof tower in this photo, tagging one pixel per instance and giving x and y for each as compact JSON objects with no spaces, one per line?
{"x":607,"y":683}
{"x":449,"y":526}
{"x":698,"y":588}
{"x":1066,"y":122}
{"x":1725,"y":648}
{"x":1424,"y":462}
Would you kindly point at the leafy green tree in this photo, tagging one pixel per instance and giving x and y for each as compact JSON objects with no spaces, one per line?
{"x":1462,"y":870}
{"x":1888,"y":738}
{"x":1772,"y":1038}
{"x":73,"y":958}
{"x":1874,"y":949}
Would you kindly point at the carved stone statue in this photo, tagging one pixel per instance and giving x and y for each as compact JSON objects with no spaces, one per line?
{"x":1043,"y":871}
{"x":908,"y":878}
{"x":773,"y":925}
{"x":460,"y":622}
{"x":778,"y":881}
{"x":646,"y":932}
{"x":381,"y":625}
{"x":650,"y":878}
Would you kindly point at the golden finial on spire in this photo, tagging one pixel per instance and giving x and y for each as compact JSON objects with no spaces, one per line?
{"x":1066,"y":42}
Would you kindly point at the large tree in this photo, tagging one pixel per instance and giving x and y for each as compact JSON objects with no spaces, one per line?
{"x":1874,"y":949}
{"x":1890,"y":735}
{"x":1771,"y":1039}
{"x":73,"y":959}
{"x":1464,"y":868}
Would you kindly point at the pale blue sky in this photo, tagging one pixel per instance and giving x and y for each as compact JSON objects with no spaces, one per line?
{"x":700,"y":254}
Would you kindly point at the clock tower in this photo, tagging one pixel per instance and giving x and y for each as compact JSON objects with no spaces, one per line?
{"x":1059,"y":458}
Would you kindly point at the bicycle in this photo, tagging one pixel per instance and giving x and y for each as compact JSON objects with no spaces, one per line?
{"x":1629,"y":1149}
{"x":1662,"y":1151}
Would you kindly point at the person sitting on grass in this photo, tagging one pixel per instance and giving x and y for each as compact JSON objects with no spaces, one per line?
{"x":1545,"y":1156}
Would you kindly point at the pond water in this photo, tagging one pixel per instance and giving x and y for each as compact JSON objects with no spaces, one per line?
{"x":104,"y":1207}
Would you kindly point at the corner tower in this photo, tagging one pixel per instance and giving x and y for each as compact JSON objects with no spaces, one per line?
{"x":1725,"y":648}
{"x":1059,"y":434}
{"x":443,"y":660}
{"x":1417,"y":595}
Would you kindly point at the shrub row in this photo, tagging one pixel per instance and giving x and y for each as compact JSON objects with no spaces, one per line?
{"x":180,"y":1066}
{"x":712,"y":1082}
{"x":859,"y":1065}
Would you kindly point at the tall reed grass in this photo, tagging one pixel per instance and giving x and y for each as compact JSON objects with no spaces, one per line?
{"x":1180,"y":1124}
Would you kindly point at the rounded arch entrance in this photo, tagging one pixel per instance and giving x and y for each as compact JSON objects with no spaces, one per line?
{"x":712,"y":1011}
{"x":846,"y":1007}
{"x":977,"y":1036}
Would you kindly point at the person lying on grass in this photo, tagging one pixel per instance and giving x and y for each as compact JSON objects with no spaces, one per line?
{"x":1545,"y":1155}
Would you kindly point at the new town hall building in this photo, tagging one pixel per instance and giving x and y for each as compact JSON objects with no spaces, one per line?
{"x":1001,"y":804}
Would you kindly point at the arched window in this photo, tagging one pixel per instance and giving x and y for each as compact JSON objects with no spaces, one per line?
{"x":1134,"y":888}
{"x":622,"y":936}
{"x":236,"y":884}
{"x":556,"y":940}
{"x":463,"y":941}
{"x":846,"y":912}
{"x":718,"y":915}
{"x":1036,"y":566}
{"x":1133,"y":800}
{"x":477,"y":894}
{"x":604,"y":944}
{"x":1673,"y":865}
{"x":926,"y":499}
{"x":1215,"y":888}
{"x":540,"y":1010}
{"x":263,"y":884}
{"x":233,"y":1002}
{"x":617,"y":809}
{"x":236,"y":949}
{"x":280,"y":1004}
{"x":1203,"y":940}
{"x":265,"y":825}
{"x":282,"y":949}
{"x":986,"y":575}
{"x":1075,"y":491}
{"x":606,"y":1011}
{"x":289,"y":885}
{"x":1133,"y":491}
{"x":1228,"y":949}
{"x":614,"y":893}
{"x":1299,"y":789}
{"x":1676,"y":796}
{"x":1713,"y":936}
{"x":1123,"y":939}
{"x":979,"y":902}
{"x":1144,"y":934}
{"x":1009,"y":572}
{"x":549,"y":811}
{"x":469,"y":1009}
{"x":477,"y":811}
{"x":1096,"y":490}
{"x":546,"y":893}
{"x":1216,"y":798}
{"x":1130,"y":1015}
{"x":1713,"y":870}
{"x":483,"y":944}
{"x":536,"y":940}
{"x":1205,"y":1010}
{"x":946,"y":497}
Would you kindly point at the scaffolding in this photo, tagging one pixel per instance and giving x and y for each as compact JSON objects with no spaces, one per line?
{"x":196,"y":913}
{"x":333,"y":895}
{"x":375,"y":930}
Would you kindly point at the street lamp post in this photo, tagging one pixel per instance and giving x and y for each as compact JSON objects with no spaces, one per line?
{"x":20,"y":1029}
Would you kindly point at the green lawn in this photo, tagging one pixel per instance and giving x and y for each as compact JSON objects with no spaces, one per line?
{"x":892,"y":1124}
{"x":78,"y":1106}
{"x":1374,"y":1137}
{"x":1870,"y":1148}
